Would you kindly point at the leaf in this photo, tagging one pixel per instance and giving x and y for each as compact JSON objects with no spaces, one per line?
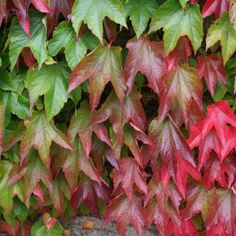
{"x":39,"y":228}
{"x":93,"y":12}
{"x":232,"y":13}
{"x":140,"y":12}
{"x":223,"y":31}
{"x":124,"y":212}
{"x":181,"y":52}
{"x":218,"y":7}
{"x":220,"y":210}
{"x":2,"y":118}
{"x":183,"y":86}
{"x":100,"y":66}
{"x":74,"y":49}
{"x":147,"y":57}
{"x":119,"y":115}
{"x":80,"y":124}
{"x":221,"y":172}
{"x":129,"y":174}
{"x":214,"y":133}
{"x":3,"y":10}
{"x":50,"y":81}
{"x":176,"y":22}
{"x":178,"y":161}
{"x":57,"y":7}
{"x":40,"y":133}
{"x":89,"y":192}
{"x":19,"y":40}
{"x":211,"y":68}
{"x":21,"y":8}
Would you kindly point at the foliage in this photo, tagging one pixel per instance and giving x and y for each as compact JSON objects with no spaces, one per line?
{"x":119,"y":108}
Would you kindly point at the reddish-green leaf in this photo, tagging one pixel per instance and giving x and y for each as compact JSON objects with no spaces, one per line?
{"x":99,"y":67}
{"x":212,"y":69}
{"x":178,"y":161}
{"x":124,"y":212}
{"x":129,"y":174}
{"x":40,"y":133}
{"x":80,"y":124}
{"x":183,"y":86}
{"x":147,"y":57}
{"x":119,"y":114}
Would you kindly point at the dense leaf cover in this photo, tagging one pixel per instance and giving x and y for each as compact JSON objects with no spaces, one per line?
{"x":118,"y":108}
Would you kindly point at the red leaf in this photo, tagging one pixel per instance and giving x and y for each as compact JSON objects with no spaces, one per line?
{"x":99,"y":67}
{"x":183,"y":86}
{"x":129,"y":174}
{"x":218,"y":7}
{"x":28,"y":57}
{"x":10,"y":229}
{"x":80,"y":124}
{"x":57,"y":6}
{"x":212,"y":69}
{"x":214,"y":133}
{"x":181,"y":52}
{"x":147,"y":57}
{"x":21,"y":8}
{"x":124,"y":212}
{"x":49,"y":221}
{"x":177,"y":157}
{"x":120,"y":114}
{"x":89,"y":191}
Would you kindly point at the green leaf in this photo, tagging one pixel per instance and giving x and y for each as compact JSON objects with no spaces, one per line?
{"x":40,"y":133}
{"x":50,"y":81}
{"x":183,"y":2}
{"x":75,"y":49}
{"x":93,"y":12}
{"x":36,"y":42}
{"x":222,"y":30}
{"x":140,"y":11}
{"x":20,"y":210}
{"x":178,"y":22}
{"x":39,"y":229}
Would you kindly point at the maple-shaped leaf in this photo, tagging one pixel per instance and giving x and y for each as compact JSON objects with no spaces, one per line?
{"x":218,"y":7}
{"x":89,"y":192}
{"x":176,"y":22}
{"x":35,"y":171}
{"x":92,"y":13}
{"x":2,"y":118}
{"x":123,"y":211}
{"x":147,"y":57}
{"x":212,"y":69}
{"x":140,"y":13}
{"x":99,"y":67}
{"x":178,"y":161}
{"x":80,"y":124}
{"x":221,"y":172}
{"x":128,"y":174}
{"x":57,"y":7}
{"x":50,"y":81}
{"x":75,"y":49}
{"x":21,"y":8}
{"x":40,"y":133}
{"x":215,"y":132}
{"x":183,"y":86}
{"x":222,"y":30}
{"x":73,"y":162}
{"x":220,"y":209}
{"x":181,"y":52}
{"x":120,"y":114}
{"x":19,"y":40}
